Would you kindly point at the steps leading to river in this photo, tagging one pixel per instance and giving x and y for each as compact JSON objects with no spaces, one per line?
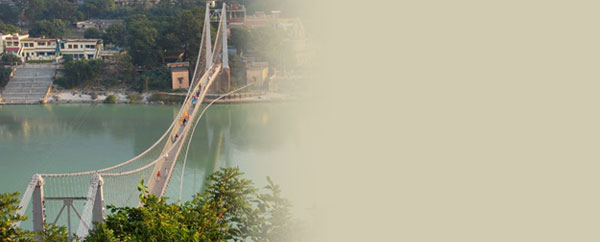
{"x":30,"y":84}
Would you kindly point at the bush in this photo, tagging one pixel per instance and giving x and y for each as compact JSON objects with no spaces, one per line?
{"x":109,"y":82}
{"x":111,"y":99}
{"x":161,"y":97}
{"x":92,"y":33}
{"x":4,"y":75}
{"x":39,"y":61}
{"x":133,"y":97}
{"x":10,"y":59}
{"x":230,"y":209}
{"x":80,"y":72}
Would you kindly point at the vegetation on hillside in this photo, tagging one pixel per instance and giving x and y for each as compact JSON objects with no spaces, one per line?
{"x":150,"y":36}
{"x":230,"y":209}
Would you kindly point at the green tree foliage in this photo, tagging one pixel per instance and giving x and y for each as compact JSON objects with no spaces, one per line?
{"x":8,"y":209}
{"x":9,"y":14}
{"x":231,"y":209}
{"x":115,"y":34}
{"x":98,"y":8}
{"x":8,"y":28}
{"x":4,"y":76}
{"x":9,"y":59}
{"x":156,"y":79}
{"x":238,"y":71}
{"x":79,"y":72}
{"x":189,"y":24}
{"x":92,"y":33}
{"x":240,"y":38}
{"x":64,"y":10}
{"x":49,"y":29}
{"x":111,"y":99}
{"x":34,"y":9}
{"x":141,"y":37}
{"x":9,"y":232}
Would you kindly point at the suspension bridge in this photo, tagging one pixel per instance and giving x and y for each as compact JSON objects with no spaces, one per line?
{"x":86,"y":193}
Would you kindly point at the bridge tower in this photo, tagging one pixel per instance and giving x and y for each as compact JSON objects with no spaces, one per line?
{"x":39,"y":215}
{"x":223,"y":81}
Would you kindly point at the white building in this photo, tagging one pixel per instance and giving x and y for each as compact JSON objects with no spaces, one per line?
{"x":80,"y":48}
{"x":100,"y":24}
{"x":11,"y":43}
{"x":38,"y":49}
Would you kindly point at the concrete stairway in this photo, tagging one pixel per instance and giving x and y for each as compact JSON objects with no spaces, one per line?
{"x":29,"y":84}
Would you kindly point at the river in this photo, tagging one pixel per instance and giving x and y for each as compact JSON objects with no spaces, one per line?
{"x":259,"y":138}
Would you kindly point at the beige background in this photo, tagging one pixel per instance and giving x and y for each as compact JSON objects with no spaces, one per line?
{"x":456,"y":120}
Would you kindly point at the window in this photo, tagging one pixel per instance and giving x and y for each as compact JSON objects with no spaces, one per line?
{"x":70,"y":46}
{"x":42,"y":44}
{"x":8,"y":43}
{"x":90,"y":56}
{"x":180,"y":80}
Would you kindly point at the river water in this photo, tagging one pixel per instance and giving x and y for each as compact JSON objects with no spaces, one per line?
{"x":259,"y":138}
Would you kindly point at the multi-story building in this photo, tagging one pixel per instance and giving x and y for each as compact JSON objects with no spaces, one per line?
{"x":2,"y":37}
{"x":145,"y":3}
{"x":100,"y":24}
{"x":80,"y":48}
{"x":38,"y":49}
{"x":12,"y":43}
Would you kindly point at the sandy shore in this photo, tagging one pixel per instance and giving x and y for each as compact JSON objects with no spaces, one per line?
{"x":71,"y":96}
{"x":80,"y":97}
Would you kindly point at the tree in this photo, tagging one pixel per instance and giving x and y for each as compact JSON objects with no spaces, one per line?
{"x":231,"y":209}
{"x":8,"y":232}
{"x":240,"y":38}
{"x":8,"y":209}
{"x":8,"y":28}
{"x":64,"y":10}
{"x":189,"y":24}
{"x":79,"y":72}
{"x":98,"y":8}
{"x":92,"y":33}
{"x":9,"y":14}
{"x":157,"y":78}
{"x":115,"y":34}
{"x":141,"y":38}
{"x":48,"y":29}
{"x":34,"y":9}
{"x":4,"y":76}
{"x":9,"y":59}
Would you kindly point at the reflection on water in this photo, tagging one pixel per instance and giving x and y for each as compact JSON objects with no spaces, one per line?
{"x":78,"y":137}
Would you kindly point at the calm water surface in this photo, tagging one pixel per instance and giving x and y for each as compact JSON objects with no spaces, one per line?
{"x":259,"y":138}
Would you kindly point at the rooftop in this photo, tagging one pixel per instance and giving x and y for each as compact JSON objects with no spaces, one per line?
{"x":81,"y":40}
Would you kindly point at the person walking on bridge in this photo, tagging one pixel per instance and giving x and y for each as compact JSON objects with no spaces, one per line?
{"x":158,"y":176}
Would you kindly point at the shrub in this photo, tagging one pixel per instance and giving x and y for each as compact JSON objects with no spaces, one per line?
{"x":133,"y":97}
{"x":10,"y":59}
{"x":111,"y":99}
{"x":109,"y":82}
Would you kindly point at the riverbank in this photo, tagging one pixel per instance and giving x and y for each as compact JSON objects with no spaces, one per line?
{"x":122,"y":97}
